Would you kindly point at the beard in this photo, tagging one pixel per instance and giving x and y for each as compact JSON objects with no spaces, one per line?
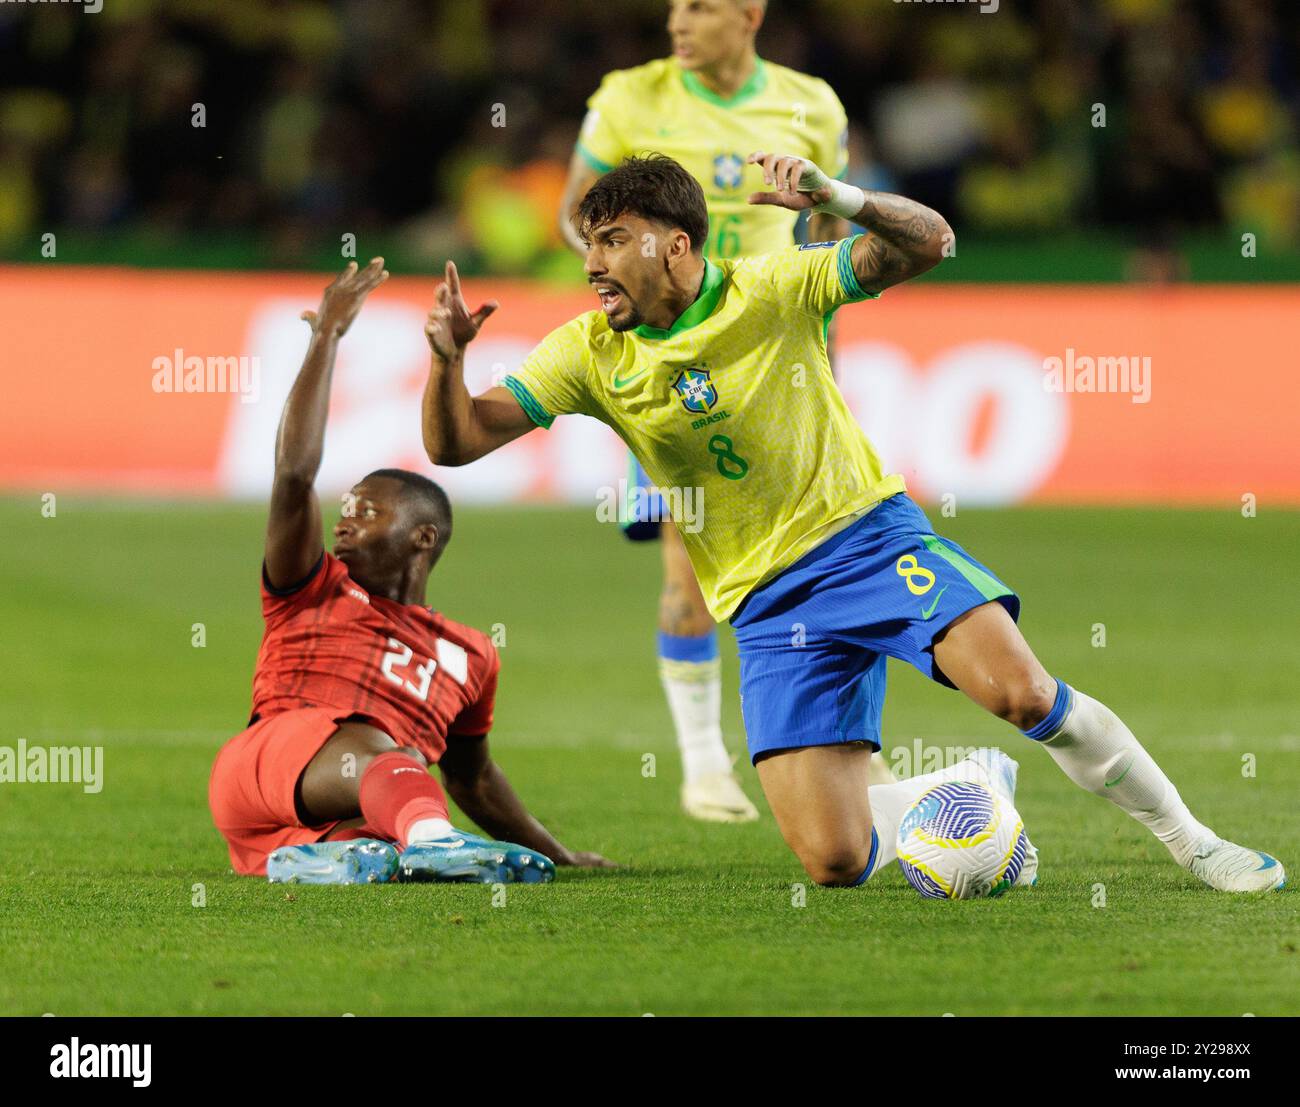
{"x":627,"y":317}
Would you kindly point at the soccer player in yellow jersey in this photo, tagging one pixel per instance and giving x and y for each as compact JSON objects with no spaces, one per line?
{"x":706,"y":107}
{"x":818,"y":558}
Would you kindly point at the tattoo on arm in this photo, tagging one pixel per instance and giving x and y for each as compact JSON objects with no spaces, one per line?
{"x":903,"y":240}
{"x":674,"y":609}
{"x":887,"y":264}
{"x":899,"y":220}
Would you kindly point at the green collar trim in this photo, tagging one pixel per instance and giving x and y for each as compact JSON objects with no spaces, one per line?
{"x":700,"y":310}
{"x":751,"y":88}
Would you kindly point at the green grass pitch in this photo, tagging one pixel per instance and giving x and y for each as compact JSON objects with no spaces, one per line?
{"x":98,"y":892}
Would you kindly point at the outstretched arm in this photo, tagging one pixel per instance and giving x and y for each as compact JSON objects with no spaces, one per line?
{"x":904,"y":239}
{"x":293,"y":529}
{"x":482,"y":791}
{"x":459,"y":428}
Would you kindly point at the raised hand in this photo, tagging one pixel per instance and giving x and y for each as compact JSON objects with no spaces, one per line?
{"x":344,"y":297}
{"x":451,"y":326}
{"x":799,"y":183}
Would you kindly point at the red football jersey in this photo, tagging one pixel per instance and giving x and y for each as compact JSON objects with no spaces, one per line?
{"x":413,"y":673}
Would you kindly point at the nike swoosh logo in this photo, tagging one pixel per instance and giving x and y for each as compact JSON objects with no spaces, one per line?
{"x":443,"y":843}
{"x":620,"y":382}
{"x":927,"y":612}
{"x":1112,"y":783}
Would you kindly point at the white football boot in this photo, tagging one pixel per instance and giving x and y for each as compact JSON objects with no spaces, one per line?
{"x":879,"y":772}
{"x":717,"y":798}
{"x":999,"y":772}
{"x":1231,"y":868}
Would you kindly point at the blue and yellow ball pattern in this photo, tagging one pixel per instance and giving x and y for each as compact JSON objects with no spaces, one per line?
{"x":960,"y":840}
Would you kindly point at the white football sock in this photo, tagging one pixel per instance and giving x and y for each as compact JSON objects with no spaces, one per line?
{"x":694,"y":691}
{"x":890,"y":801}
{"x":1098,"y":752}
{"x":428,"y":830}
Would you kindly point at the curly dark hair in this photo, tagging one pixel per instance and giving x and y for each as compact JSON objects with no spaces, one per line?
{"x":654,"y":187}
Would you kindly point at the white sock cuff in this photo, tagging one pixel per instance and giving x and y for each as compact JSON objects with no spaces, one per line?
{"x":692,"y":672}
{"x":428,"y":830}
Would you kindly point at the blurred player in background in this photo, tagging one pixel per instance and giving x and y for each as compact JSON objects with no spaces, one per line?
{"x":706,"y":106}
{"x":359,"y":686}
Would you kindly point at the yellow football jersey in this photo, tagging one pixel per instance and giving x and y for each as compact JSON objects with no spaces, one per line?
{"x":664,"y":108}
{"x":734,"y":407}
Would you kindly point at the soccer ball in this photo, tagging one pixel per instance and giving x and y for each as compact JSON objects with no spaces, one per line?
{"x":961,"y":840}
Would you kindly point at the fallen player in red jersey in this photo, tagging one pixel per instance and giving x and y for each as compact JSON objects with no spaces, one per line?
{"x":359,"y":687}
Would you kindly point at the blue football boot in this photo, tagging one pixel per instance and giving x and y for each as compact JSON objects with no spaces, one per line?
{"x":351,"y":861}
{"x":462,"y":858}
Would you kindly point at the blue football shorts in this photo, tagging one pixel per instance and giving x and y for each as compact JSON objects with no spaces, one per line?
{"x":814,"y":639}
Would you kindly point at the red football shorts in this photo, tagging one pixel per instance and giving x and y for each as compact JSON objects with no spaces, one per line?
{"x":251,"y":791}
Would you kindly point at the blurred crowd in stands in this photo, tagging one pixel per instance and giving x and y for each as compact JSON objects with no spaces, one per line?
{"x":321,"y":115}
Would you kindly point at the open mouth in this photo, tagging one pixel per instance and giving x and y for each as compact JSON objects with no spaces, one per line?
{"x":610,"y":298}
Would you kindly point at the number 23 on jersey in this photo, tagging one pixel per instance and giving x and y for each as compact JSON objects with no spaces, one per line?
{"x":454,"y":664}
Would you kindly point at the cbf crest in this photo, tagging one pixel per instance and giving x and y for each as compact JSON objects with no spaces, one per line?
{"x":728,"y":171}
{"x":697,"y":391}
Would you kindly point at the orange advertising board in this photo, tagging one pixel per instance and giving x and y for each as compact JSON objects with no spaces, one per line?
{"x":171,"y":382}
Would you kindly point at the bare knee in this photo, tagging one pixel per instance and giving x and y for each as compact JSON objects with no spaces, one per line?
{"x":819,"y":798}
{"x":1025,"y":700}
{"x":834,"y":863}
{"x":329,"y":787}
